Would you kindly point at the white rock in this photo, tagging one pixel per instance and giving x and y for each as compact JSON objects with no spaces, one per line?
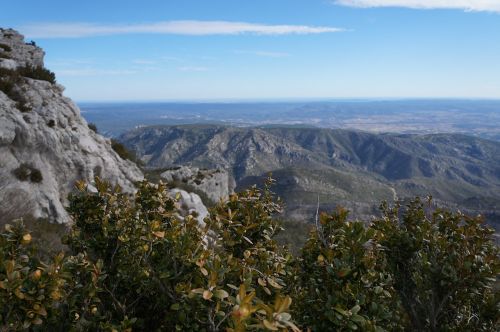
{"x":189,"y":203}
{"x":8,"y":64}
{"x":215,"y":184}
{"x":52,"y":138}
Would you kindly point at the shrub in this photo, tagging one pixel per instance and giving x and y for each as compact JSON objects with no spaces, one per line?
{"x":132,"y":264}
{"x":151,"y":271}
{"x":26,"y":172}
{"x":22,"y":172}
{"x":10,"y":80}
{"x":36,"y":175}
{"x":51,"y":123}
{"x":23,"y":107}
{"x":5,"y":47}
{"x":30,"y":290}
{"x":92,"y":127}
{"x":295,"y":235}
{"x":124,"y":152}
{"x":121,"y":150}
{"x":342,"y":281}
{"x":444,"y":265}
{"x":13,"y":77}
{"x":37,"y":73}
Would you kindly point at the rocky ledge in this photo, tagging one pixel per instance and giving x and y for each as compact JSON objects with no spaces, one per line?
{"x":214,"y":184}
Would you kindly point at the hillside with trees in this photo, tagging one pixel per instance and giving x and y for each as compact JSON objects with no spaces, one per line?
{"x":348,"y":168}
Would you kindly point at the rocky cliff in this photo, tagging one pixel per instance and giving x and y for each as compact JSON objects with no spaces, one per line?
{"x":45,"y":145}
{"x":215,"y":184}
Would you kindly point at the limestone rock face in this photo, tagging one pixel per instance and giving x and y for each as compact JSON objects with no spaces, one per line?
{"x":215,"y":184}
{"x":17,"y":53}
{"x":190,"y":204}
{"x":46,"y":146}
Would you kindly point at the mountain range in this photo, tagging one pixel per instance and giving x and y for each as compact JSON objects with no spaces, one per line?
{"x":351,"y":168}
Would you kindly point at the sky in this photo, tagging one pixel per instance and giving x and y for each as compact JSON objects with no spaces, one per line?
{"x":186,"y":50}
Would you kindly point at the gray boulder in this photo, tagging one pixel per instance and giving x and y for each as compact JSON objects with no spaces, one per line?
{"x":214,"y":184}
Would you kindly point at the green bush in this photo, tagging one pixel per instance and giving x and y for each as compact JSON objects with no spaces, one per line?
{"x":26,"y":172}
{"x":124,"y":152}
{"x":445,"y":266}
{"x":92,"y":127}
{"x":121,"y":150}
{"x":10,"y":81}
{"x":5,"y":47}
{"x":132,"y":264}
{"x":342,"y":280}
{"x":30,"y":290}
{"x":37,"y":73}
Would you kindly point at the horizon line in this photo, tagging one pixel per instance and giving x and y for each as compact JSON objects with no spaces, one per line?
{"x":281,"y":100}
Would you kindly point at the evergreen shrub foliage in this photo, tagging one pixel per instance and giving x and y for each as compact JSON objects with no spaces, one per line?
{"x":133,"y":264}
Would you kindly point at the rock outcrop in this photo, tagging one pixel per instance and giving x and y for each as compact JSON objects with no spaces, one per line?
{"x":45,"y":145}
{"x":16,"y":53}
{"x":189,"y":204}
{"x":214,"y":184}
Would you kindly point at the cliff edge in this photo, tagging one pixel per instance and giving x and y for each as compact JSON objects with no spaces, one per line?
{"x":45,"y":144}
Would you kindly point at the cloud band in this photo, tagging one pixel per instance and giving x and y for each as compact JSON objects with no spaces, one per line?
{"x":192,"y":28}
{"x":468,"y":5}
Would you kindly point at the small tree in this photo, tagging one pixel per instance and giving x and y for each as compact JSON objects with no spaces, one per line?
{"x":444,"y":265}
{"x":29,"y":288}
{"x":136,"y":265}
{"x":342,"y":282}
{"x":142,"y":256}
{"x":246,"y":270}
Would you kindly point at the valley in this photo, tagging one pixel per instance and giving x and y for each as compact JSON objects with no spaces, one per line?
{"x":349,"y":168}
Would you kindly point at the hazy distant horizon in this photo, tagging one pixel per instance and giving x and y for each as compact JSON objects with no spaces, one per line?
{"x":478,"y":117}
{"x":281,"y":100}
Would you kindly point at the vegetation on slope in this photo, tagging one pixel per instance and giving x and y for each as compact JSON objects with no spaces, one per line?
{"x":133,"y":265}
{"x":11,"y":81}
{"x":354,"y":169}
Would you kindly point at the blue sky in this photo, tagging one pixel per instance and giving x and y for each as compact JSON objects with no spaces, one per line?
{"x":265,"y":49}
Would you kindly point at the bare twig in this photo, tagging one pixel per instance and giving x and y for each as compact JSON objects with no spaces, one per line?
{"x":319,"y":229}
{"x":222,"y":320}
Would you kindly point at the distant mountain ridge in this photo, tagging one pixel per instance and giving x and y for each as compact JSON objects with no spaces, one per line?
{"x":353,"y":168}
{"x":480,"y":118}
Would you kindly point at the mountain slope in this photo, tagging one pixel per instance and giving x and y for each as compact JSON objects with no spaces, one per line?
{"x":352,"y":168}
{"x":45,"y":145}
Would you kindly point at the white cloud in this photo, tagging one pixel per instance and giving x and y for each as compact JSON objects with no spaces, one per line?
{"x":468,"y":5}
{"x":193,"y":28}
{"x":269,"y":54}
